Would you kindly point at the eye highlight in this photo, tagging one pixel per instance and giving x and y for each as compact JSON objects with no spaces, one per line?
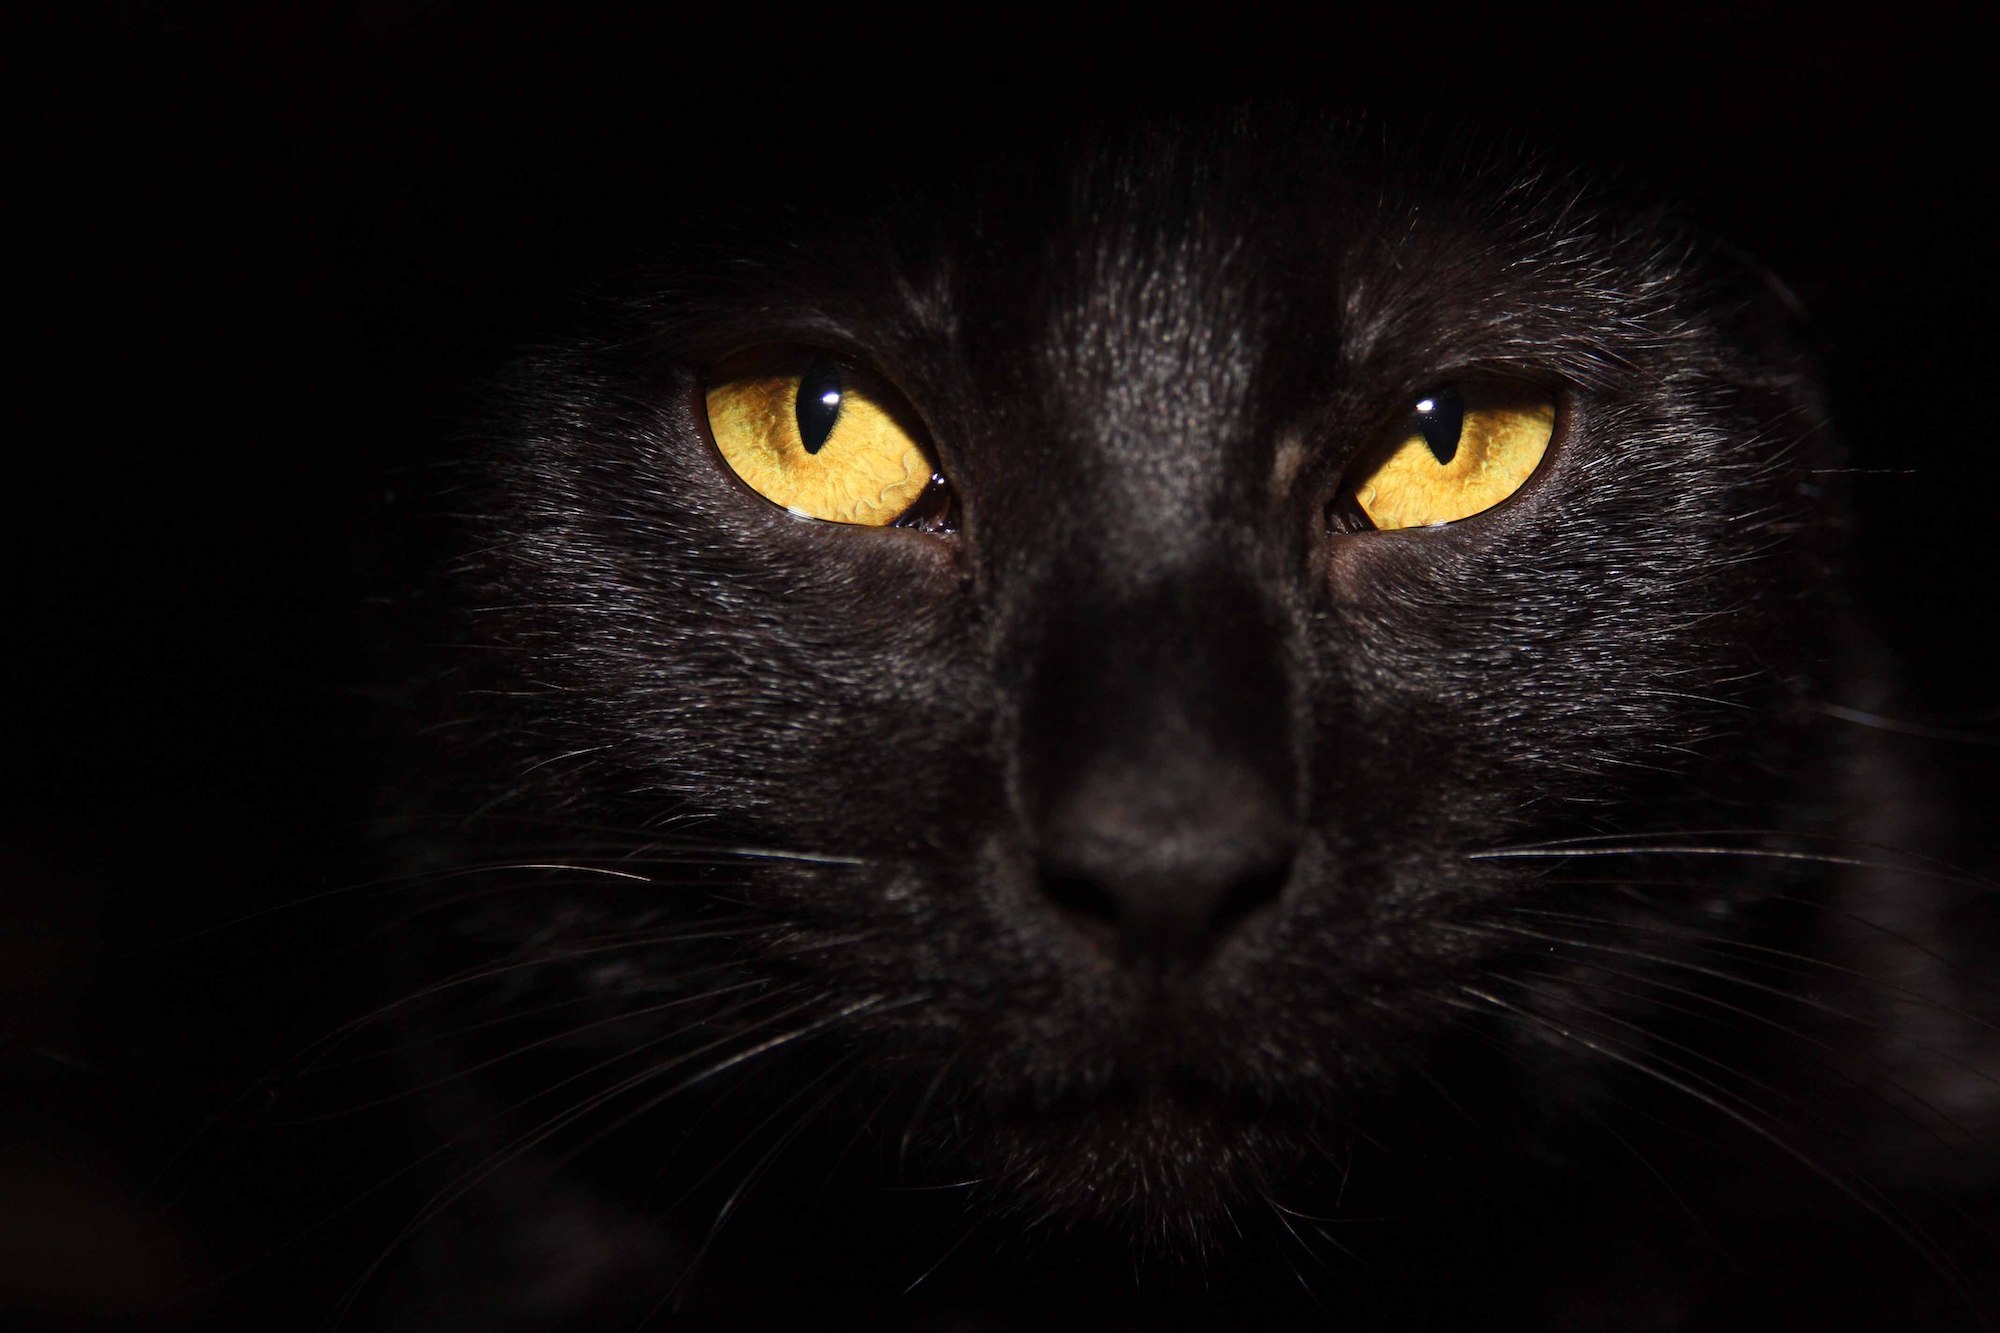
{"x":818,"y":436}
{"x":1462,"y":451}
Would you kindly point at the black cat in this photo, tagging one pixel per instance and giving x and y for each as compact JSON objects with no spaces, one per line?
{"x":1234,"y":726}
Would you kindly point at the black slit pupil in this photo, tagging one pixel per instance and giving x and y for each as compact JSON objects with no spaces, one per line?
{"x":1440,"y":420}
{"x":819,"y":405}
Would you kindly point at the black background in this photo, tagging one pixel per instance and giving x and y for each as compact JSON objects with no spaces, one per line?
{"x":263,"y":255}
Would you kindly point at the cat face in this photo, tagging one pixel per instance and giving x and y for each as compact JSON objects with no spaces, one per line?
{"x":1242,"y":576}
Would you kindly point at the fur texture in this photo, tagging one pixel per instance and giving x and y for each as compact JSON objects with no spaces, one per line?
{"x":1149,"y":900}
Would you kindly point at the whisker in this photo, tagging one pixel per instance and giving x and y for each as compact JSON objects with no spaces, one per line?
{"x":1646,"y":1164}
{"x":694,"y":1185}
{"x":678,"y":1291}
{"x":1870,"y":1200}
{"x":807,"y":858}
{"x":1626,"y":845}
{"x":477,"y":1175}
{"x":971,"y":1229}
{"x":1661,"y":960}
{"x":922,"y":1108}
{"x":1650,"y":1040}
{"x":1767,"y":955}
{"x":551,"y":1039}
{"x":440,"y":1149}
{"x":1878,"y":722}
{"x":1319,"y":1225}
{"x":872,"y":1004}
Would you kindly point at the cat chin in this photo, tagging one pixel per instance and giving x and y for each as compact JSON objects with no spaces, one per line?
{"x":1175,"y":1206}
{"x":1165,"y":1172}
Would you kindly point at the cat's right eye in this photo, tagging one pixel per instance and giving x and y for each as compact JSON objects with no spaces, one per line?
{"x":820,"y":436}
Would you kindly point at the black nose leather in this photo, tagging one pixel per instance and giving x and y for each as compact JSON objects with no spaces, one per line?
{"x":1165,"y":869}
{"x":1158,"y":744}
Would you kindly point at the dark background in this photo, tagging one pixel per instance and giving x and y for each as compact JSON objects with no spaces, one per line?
{"x":265,"y":253}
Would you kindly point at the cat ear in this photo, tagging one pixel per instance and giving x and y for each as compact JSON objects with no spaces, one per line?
{"x":1767,"y":318}
{"x":1774,"y":286}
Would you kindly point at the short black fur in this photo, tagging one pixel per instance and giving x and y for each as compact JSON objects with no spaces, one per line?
{"x":1154,"y":901}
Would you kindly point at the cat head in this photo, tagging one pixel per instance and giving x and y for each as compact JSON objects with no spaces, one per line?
{"x":1106,"y":647}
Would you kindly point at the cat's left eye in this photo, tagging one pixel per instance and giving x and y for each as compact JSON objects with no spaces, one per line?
{"x":1460,"y":452}
{"x":822,"y":437}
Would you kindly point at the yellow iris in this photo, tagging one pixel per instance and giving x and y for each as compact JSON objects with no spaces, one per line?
{"x":1438,"y":474}
{"x":818,"y":437}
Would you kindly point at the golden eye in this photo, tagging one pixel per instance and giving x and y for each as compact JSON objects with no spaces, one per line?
{"x":1463,"y":451}
{"x":818,"y":436}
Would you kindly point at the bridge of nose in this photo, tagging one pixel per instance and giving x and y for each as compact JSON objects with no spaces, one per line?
{"x":1154,"y":739}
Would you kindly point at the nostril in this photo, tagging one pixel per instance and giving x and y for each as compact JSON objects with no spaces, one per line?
{"x":1165,"y":908}
{"x":1084,"y":899}
{"x":1253,"y":891}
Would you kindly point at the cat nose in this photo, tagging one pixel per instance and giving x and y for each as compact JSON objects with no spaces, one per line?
{"x":1162,"y":872}
{"x":1160,"y":773}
